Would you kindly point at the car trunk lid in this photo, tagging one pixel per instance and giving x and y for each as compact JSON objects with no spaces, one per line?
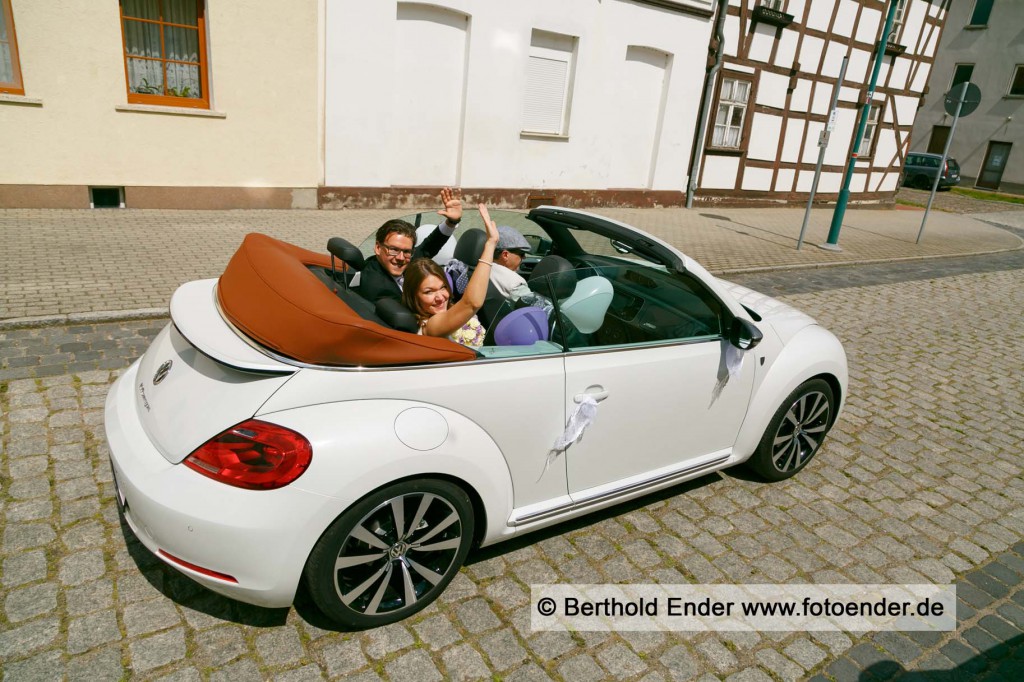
{"x":200,"y":377}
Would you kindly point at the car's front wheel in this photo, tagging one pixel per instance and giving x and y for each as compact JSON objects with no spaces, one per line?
{"x":795,"y":432}
{"x":392,"y":553}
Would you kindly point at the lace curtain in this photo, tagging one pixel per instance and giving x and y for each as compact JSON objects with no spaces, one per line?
{"x":163,"y":57}
{"x":6,"y":64}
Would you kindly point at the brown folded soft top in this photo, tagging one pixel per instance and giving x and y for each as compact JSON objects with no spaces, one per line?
{"x":268,"y":292}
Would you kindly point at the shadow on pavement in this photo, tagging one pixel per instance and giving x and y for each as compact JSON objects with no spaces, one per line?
{"x":1002,"y":662}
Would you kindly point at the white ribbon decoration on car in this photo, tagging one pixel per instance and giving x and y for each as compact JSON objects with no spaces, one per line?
{"x":582,"y":417}
{"x":733,"y":363}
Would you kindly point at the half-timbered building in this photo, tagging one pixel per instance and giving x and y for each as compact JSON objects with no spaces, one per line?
{"x":772,"y":96}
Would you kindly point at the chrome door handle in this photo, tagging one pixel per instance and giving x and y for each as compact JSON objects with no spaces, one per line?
{"x":595,"y":392}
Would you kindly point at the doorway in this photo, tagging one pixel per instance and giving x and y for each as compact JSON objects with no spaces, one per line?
{"x":937,"y":143}
{"x":995,"y":164}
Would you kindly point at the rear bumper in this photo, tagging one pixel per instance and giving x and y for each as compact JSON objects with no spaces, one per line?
{"x":260,"y":538}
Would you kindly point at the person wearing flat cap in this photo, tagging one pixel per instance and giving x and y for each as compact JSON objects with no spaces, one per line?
{"x":512,"y":247}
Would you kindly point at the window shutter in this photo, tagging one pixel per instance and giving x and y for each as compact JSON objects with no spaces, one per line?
{"x":545,"y":95}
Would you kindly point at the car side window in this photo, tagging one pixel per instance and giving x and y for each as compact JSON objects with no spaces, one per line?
{"x":630,"y":305}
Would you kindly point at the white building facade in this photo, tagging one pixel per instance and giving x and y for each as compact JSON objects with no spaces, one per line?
{"x":772,"y":96}
{"x":579,"y":102}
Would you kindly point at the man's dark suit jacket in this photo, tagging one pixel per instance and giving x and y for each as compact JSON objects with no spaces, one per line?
{"x":375,"y":283}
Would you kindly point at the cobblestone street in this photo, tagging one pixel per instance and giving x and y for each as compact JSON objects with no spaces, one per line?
{"x":919,"y":482}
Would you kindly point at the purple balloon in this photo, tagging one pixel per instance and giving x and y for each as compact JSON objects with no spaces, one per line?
{"x":523,"y":327}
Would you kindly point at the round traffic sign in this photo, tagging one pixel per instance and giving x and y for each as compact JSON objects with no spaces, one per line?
{"x":967,"y":92}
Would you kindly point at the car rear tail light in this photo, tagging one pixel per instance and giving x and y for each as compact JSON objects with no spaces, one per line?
{"x":253,"y":455}
{"x":945,"y":169}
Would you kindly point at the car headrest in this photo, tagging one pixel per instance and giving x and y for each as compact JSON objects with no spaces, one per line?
{"x":554,"y":272}
{"x":447,"y":251}
{"x":522,"y":327}
{"x":346,"y":252}
{"x":587,"y":306}
{"x":470,"y":246}
{"x":396,"y":315}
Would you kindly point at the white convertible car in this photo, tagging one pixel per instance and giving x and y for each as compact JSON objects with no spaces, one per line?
{"x":282,"y":429}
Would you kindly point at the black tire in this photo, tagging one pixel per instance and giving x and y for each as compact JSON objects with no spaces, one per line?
{"x":390,"y":574}
{"x":795,"y":432}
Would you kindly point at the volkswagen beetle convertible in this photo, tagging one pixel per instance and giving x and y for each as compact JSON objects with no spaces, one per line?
{"x":283,"y":429}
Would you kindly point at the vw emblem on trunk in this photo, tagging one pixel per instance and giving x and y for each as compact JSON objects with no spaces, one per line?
{"x":162,"y":371}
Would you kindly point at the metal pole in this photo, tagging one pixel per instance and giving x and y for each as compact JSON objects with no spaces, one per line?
{"x":705,"y":107}
{"x":844,"y":193}
{"x":960,"y":97}
{"x":822,"y":146}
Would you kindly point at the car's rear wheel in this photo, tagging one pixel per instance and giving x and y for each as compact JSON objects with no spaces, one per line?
{"x":392,"y":553}
{"x":795,"y":432}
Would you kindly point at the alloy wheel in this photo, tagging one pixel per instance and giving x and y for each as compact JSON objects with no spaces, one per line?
{"x":801,"y":431}
{"x":398,"y":554}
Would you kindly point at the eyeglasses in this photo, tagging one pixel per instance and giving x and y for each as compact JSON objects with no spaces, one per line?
{"x":396,"y":252}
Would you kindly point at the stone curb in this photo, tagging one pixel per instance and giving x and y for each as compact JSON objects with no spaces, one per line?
{"x":96,"y":317}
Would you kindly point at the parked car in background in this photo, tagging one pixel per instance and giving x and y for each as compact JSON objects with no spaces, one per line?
{"x":921,"y":169}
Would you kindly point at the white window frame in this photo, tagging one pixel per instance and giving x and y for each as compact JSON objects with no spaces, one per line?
{"x":1013,"y":77}
{"x":870,"y":129}
{"x":731,"y":104}
{"x":548,"y":50}
{"x":974,"y":10}
{"x":777,"y":5}
{"x":953,"y":75}
{"x":897,"y":20}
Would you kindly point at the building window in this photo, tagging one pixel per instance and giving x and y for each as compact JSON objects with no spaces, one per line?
{"x":10,"y":69}
{"x":1017,"y":83}
{"x":901,"y":12}
{"x":165,"y":52}
{"x":549,"y":77}
{"x":732,"y":109}
{"x":777,"y":5}
{"x":982,"y":11}
{"x":866,"y":143}
{"x":962,"y":74}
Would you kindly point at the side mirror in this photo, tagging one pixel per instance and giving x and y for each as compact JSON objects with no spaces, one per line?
{"x":620,"y":247}
{"x":539,"y":246}
{"x":743,"y":334}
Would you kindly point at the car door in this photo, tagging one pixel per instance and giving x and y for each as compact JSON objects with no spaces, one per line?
{"x":658,"y":369}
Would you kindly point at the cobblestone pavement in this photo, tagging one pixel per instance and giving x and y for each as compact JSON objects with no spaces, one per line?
{"x":919,"y":482}
{"x":62,"y":262}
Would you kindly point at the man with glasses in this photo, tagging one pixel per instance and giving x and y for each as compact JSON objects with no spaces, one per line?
{"x":395,"y":247}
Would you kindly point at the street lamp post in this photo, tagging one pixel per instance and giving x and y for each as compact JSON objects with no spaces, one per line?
{"x":865,"y":111}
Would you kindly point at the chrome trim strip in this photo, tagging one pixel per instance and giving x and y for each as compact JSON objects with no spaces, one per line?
{"x":618,"y":492}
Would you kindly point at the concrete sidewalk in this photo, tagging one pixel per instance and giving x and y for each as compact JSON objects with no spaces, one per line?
{"x":66,"y":265}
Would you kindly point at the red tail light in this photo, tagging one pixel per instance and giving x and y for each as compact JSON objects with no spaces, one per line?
{"x":254,"y":455}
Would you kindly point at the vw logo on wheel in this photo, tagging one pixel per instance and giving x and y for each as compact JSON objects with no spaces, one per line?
{"x":162,"y":371}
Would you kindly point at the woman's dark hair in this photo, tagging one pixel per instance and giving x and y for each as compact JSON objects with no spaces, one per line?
{"x":419,"y":270}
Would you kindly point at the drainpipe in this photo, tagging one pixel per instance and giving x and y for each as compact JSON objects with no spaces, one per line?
{"x":709,"y":86}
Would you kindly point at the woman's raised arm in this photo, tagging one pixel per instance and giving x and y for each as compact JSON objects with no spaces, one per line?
{"x":446,"y":322}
